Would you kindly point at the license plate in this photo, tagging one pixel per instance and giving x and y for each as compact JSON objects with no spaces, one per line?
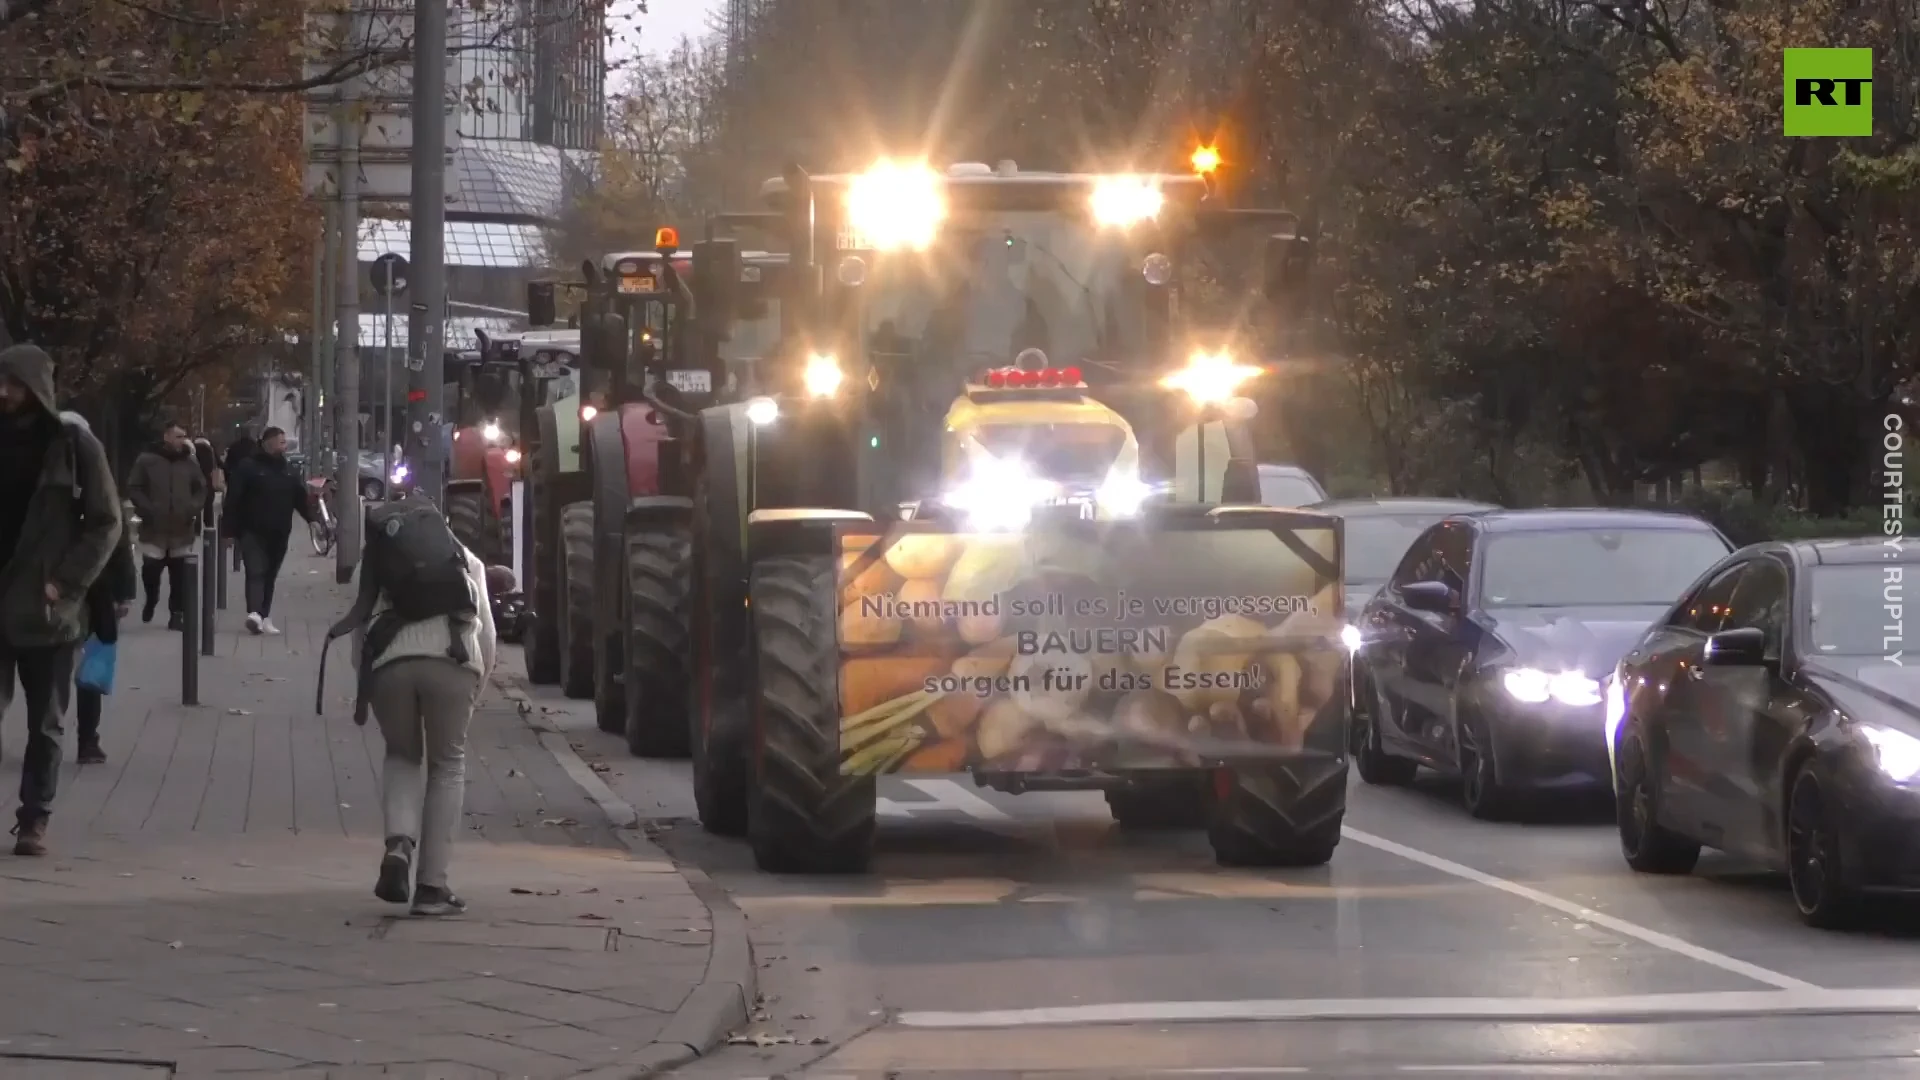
{"x":641,"y":284}
{"x":851,"y":239}
{"x":691,"y":382}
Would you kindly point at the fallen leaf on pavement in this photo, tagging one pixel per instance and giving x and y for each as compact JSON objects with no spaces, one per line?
{"x":533,"y":892}
{"x":591,"y":915}
{"x":238,"y":712}
{"x":763,"y":1040}
{"x":175,"y":944}
{"x":560,"y":821}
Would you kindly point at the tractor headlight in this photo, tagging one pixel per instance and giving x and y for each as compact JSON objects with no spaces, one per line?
{"x":512,"y":456}
{"x":1211,"y":378}
{"x":587,"y":413}
{"x":1000,"y":495}
{"x":896,"y":205}
{"x":491,"y":432}
{"x":821,"y":376}
{"x":762,"y":411}
{"x":1120,"y":201}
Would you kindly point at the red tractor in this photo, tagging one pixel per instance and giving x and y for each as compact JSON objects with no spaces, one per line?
{"x":488,"y":445}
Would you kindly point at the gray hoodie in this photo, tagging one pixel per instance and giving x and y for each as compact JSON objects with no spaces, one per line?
{"x":72,"y":523}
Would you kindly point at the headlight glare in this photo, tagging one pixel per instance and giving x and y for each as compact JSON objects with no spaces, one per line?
{"x":1535,"y":687}
{"x":1895,"y":752}
{"x":896,"y":205}
{"x":821,"y":376}
{"x":1211,"y":378}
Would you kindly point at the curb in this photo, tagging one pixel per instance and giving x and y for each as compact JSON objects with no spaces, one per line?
{"x":721,"y":1002}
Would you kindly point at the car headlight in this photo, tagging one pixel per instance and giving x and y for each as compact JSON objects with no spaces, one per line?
{"x":1536,"y":687}
{"x":1120,"y":201}
{"x":491,"y":432}
{"x":1121,"y":494}
{"x":1350,"y":637}
{"x":1211,"y":378}
{"x":1000,"y":495}
{"x":896,"y":205}
{"x":399,"y":474}
{"x":821,"y":376}
{"x":1896,"y":752}
{"x":762,"y":411}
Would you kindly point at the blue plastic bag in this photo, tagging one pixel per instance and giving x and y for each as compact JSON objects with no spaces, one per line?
{"x":96,"y":666}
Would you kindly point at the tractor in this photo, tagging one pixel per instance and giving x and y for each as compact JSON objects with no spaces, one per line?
{"x":627,"y":306}
{"x":701,"y":344}
{"x":549,"y":449}
{"x":495,"y":410}
{"x":994,"y":509}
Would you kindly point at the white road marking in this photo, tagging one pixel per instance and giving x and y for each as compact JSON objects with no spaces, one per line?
{"x":1643,"y":934}
{"x":1733,"y":1004}
{"x":945,"y":795}
{"x":1512,"y":1069}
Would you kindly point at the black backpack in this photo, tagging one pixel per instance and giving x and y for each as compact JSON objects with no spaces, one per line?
{"x":418,"y":564}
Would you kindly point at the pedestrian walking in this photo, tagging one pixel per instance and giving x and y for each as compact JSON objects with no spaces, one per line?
{"x":109,"y":601}
{"x":59,"y":523}
{"x":170,"y":492}
{"x":263,"y":495}
{"x":427,"y":645}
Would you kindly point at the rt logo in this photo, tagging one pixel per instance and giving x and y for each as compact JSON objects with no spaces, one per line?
{"x":1829,"y":92}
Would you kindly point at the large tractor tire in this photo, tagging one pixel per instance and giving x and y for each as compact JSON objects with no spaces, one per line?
{"x":543,"y":644}
{"x":659,"y":578}
{"x":467,"y":516}
{"x":803,"y":816}
{"x":576,"y":621}
{"x":1278,"y":815}
{"x":717,"y":715}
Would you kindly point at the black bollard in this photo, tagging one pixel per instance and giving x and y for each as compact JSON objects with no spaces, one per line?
{"x":208,"y":582}
{"x":189,"y":653}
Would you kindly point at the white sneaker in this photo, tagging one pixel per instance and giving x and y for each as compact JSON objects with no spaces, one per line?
{"x":267,"y":627}
{"x":255,"y":624}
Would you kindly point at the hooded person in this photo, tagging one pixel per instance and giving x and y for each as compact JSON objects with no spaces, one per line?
{"x":169,"y":490}
{"x":263,"y":495}
{"x":59,"y":522}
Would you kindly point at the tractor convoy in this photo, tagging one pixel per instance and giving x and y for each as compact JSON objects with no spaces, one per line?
{"x":982,"y":500}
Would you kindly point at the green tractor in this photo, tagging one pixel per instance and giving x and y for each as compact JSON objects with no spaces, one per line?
{"x":550,"y":462}
{"x":991,"y":506}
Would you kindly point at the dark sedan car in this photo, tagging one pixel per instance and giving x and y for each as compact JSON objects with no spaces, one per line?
{"x":1482,"y":656}
{"x":1775,"y":714}
{"x":1378,"y":533}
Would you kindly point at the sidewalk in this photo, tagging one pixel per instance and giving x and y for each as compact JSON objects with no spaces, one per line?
{"x":208,"y":904}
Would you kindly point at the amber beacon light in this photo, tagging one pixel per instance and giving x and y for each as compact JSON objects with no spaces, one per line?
{"x":1205,"y":160}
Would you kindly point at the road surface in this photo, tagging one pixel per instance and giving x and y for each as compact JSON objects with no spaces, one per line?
{"x":1013,"y":936}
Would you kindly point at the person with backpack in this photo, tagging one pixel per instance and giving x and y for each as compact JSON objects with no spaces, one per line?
{"x":262,"y":498}
{"x":59,"y":522}
{"x":427,"y":645}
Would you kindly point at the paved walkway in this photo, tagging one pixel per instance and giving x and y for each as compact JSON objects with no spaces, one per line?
{"x":208,"y":905}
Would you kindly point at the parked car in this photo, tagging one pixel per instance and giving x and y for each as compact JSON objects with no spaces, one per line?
{"x":1482,"y":657}
{"x":1378,"y":533}
{"x":1773,"y":714}
{"x":1289,"y":485}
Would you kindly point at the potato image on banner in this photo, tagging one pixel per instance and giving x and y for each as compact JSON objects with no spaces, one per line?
{"x":1056,"y":699}
{"x":990,"y":566}
{"x":862,"y":632}
{"x":1004,"y":729}
{"x":877,"y":579}
{"x":1282,"y":700}
{"x":923,"y":555}
{"x":870,"y":681}
{"x":1149,"y":713}
{"x":1221,"y":646}
{"x":923,"y":591}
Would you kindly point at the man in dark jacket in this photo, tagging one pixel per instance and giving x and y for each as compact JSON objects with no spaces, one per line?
{"x":169,"y":492}
{"x":59,"y":522}
{"x":263,"y":495}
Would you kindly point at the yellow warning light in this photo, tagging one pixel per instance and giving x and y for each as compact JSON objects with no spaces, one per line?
{"x":666,"y":239}
{"x":1205,"y":160}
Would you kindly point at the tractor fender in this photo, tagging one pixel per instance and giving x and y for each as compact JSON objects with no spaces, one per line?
{"x":568,"y":445}
{"x":644,"y":432}
{"x":797,"y":531}
{"x":648,"y":511}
